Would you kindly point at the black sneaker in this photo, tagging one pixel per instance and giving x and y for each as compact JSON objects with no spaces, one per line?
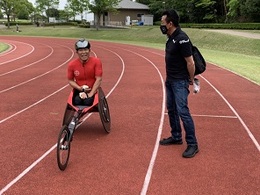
{"x":170,"y":141}
{"x":190,"y":151}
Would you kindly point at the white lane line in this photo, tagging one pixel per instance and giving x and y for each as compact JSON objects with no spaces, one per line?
{"x":19,"y":56}
{"x":211,"y":116}
{"x":235,"y":112}
{"x":38,"y":160}
{"x":231,"y":107}
{"x":32,"y":105}
{"x":27,"y":170}
{"x":53,"y":147}
{"x":11,"y":49}
{"x":149,"y":172}
{"x":214,"y":116}
{"x":29,"y":64}
{"x":159,"y":132}
{"x":122,"y":72}
{"x":41,"y":75}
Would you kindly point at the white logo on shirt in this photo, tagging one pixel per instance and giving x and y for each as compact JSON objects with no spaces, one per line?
{"x":76,"y":73}
{"x":173,"y":41}
{"x":184,"y":41}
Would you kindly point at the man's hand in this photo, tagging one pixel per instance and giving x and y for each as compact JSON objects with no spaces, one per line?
{"x":83,"y":95}
{"x":85,"y":88}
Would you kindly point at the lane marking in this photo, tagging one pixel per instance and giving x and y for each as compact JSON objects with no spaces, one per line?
{"x":229,"y":105}
{"x":28,"y":65}
{"x":149,"y":172}
{"x":214,"y":116}
{"x":159,"y":132}
{"x":211,"y":116}
{"x":19,"y":56}
{"x":41,"y":75}
{"x":235,"y":112}
{"x":28,"y":169}
{"x":11,"y":49}
{"x":32,"y":105}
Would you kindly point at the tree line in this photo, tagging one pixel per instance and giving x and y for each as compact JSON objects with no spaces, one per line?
{"x":208,"y":11}
{"x":44,"y":9}
{"x":190,"y":11}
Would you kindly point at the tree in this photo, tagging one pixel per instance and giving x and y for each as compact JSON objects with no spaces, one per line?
{"x":52,"y":12}
{"x":23,"y":13}
{"x":66,"y":14}
{"x":207,"y":10}
{"x":1,"y":14}
{"x":100,"y":7}
{"x":146,"y":2}
{"x":78,"y":6}
{"x":8,"y":7}
{"x":44,"y":5}
{"x":233,"y":9}
{"x":251,"y":10}
{"x":23,"y":9}
{"x":157,"y":7}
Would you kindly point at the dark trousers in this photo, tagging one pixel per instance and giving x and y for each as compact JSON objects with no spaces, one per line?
{"x":177,"y":92}
{"x":83,"y":102}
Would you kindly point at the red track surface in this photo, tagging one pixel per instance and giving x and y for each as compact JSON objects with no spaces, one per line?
{"x":33,"y":95}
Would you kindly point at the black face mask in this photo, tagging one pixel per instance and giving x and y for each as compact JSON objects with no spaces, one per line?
{"x":163,"y":29}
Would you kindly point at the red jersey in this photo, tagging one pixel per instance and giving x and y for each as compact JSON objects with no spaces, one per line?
{"x":85,"y":75}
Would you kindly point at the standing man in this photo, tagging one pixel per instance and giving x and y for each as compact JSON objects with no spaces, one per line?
{"x":84,"y":74}
{"x":180,"y":70}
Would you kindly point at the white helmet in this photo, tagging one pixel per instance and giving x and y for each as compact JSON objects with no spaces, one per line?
{"x":82,"y":44}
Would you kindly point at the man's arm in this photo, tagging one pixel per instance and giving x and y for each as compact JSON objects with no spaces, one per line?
{"x":95,"y":86}
{"x":75,"y":85}
{"x":191,"y":68}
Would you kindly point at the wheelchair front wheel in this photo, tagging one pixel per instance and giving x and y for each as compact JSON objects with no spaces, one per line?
{"x":63,"y":148}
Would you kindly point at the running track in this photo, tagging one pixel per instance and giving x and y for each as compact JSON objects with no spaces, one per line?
{"x":33,"y":95}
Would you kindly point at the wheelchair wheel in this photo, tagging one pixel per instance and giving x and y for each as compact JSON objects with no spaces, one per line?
{"x":103,"y":110}
{"x":63,"y":148}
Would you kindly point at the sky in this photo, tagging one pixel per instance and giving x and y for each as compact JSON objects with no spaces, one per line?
{"x":88,"y":17}
{"x":61,"y":6}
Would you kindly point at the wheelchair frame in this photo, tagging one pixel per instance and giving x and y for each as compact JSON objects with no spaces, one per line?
{"x":73,"y":117}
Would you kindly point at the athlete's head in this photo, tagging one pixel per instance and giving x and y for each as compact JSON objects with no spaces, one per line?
{"x":82,"y":47}
{"x":82,"y":44}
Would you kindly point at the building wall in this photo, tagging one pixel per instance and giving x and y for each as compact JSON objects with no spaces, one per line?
{"x":119,"y":18}
{"x":122,"y":14}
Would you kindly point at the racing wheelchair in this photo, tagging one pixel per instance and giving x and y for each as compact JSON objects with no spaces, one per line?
{"x":73,"y":116}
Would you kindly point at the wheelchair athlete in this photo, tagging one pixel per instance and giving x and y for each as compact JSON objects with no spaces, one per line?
{"x":84,"y":74}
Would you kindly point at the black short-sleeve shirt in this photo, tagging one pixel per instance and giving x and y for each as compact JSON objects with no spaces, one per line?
{"x":178,"y":46}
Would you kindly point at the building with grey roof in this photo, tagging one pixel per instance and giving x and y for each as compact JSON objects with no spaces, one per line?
{"x":128,"y":12}
{"x":128,"y":4}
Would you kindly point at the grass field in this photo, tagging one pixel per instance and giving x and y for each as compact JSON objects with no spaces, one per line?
{"x":241,"y":55}
{"x":3,"y":47}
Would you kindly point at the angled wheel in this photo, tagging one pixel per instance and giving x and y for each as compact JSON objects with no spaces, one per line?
{"x":103,"y":110}
{"x":63,"y":148}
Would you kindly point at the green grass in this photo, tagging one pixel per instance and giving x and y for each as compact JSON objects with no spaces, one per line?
{"x":238,"y":54}
{"x":246,"y":65}
{"x":3,"y":47}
